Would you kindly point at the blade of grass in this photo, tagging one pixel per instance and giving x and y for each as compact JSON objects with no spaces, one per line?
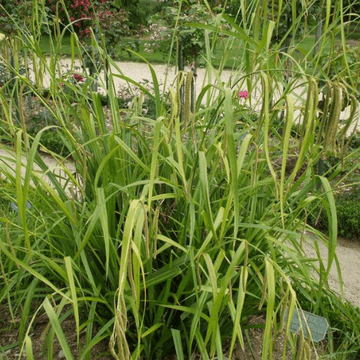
{"x":178,"y":345}
{"x":70,"y":274}
{"x":54,"y":320}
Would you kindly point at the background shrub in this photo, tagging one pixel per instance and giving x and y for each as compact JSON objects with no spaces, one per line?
{"x":75,"y":10}
{"x":51,"y":138}
{"x":18,"y":10}
{"x":139,"y":10}
{"x":348,"y":213}
{"x":84,"y":10}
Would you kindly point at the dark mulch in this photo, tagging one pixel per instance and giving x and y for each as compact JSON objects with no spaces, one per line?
{"x":11,"y":348}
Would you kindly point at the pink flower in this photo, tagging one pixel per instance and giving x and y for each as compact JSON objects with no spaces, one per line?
{"x":108,"y":13}
{"x":78,"y":77}
{"x":243,"y":94}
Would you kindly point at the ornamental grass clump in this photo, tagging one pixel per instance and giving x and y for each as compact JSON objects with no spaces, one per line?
{"x":168,"y":235}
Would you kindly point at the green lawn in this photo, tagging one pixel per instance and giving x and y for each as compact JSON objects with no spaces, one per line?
{"x":155,"y":57}
{"x":227,"y":53}
{"x":223,"y":51}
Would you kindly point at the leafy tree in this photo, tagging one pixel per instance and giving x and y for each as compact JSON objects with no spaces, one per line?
{"x":17,"y":10}
{"x":139,"y":11}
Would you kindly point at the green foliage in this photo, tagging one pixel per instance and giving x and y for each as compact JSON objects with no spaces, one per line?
{"x":7,"y":76}
{"x":19,"y":10}
{"x":344,"y":64}
{"x":15,"y":15}
{"x":79,"y":13}
{"x":169,"y":235}
{"x":331,"y":305}
{"x":348,"y":213}
{"x":50,"y":139}
{"x":283,"y":18}
{"x":4,"y":76}
{"x":354,"y":143}
{"x":114,"y":26}
{"x":140,"y":10}
{"x":190,"y":39}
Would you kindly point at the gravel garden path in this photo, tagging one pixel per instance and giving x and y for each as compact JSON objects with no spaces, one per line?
{"x":348,"y":253}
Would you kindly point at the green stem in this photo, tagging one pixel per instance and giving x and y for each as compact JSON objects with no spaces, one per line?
{"x":181,"y":68}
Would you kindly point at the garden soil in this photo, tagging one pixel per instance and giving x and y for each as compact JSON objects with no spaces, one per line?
{"x":348,"y":253}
